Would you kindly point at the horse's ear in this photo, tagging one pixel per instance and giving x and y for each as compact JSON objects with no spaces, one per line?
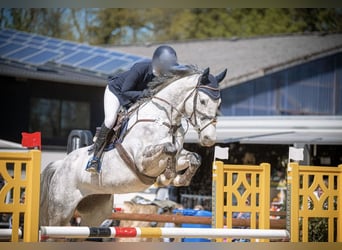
{"x":205,"y":76}
{"x":206,"y":71}
{"x":221,"y":76}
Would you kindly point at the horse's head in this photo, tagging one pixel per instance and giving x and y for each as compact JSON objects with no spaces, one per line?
{"x":202,"y":107}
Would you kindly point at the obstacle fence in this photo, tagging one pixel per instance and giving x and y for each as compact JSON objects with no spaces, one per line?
{"x":158,"y":232}
{"x":241,"y":189}
{"x":316,"y":197}
{"x":21,"y":174}
{"x":233,"y":185}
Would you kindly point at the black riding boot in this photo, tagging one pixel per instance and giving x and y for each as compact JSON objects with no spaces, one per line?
{"x":94,"y":164}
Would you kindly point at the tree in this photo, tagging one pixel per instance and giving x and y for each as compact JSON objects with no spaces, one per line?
{"x":117,"y":26}
{"x":131,"y":26}
{"x":48,"y":22}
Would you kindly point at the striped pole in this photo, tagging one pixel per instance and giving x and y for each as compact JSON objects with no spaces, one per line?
{"x":159,"y":232}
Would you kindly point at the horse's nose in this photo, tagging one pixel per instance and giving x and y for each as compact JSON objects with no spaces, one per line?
{"x":208,"y":141}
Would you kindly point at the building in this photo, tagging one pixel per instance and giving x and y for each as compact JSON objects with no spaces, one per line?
{"x":279,"y":91}
{"x":42,"y":89}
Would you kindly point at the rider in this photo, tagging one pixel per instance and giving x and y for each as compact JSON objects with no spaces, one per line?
{"x":126,"y":88}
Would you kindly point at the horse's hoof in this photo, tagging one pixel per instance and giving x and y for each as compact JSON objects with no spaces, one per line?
{"x":91,"y":170}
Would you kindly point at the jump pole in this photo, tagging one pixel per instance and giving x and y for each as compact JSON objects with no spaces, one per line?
{"x":6,"y":233}
{"x":159,"y":232}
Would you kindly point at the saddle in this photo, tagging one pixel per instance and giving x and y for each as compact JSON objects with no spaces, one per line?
{"x":118,"y":131}
{"x":114,"y":140}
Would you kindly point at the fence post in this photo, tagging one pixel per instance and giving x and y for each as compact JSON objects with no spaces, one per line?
{"x":339,"y":199}
{"x":227,"y":182}
{"x":315,"y":194}
{"x":31,"y":230}
{"x":292,"y":205}
{"x":264,"y":221}
{"x":217,"y":196}
{"x":29,"y":161}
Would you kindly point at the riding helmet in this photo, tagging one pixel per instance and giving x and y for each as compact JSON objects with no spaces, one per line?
{"x":164,"y":57}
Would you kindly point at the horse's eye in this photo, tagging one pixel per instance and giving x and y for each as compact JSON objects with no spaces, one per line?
{"x":203,"y":102}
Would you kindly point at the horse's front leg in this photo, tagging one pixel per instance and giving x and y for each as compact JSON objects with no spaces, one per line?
{"x":159,"y":160}
{"x":189,"y":161}
{"x":169,"y":174}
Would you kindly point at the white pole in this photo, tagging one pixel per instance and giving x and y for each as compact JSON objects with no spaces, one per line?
{"x":116,"y":232}
{"x":224,"y":233}
{"x":6,"y":233}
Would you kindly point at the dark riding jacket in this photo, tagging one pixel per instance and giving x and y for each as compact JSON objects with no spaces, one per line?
{"x":128,"y":86}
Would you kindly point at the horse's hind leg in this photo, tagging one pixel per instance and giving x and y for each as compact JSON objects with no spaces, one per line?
{"x":94,"y":209}
{"x":193,"y":161}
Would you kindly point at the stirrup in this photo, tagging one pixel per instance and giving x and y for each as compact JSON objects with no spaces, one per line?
{"x":94,"y":165}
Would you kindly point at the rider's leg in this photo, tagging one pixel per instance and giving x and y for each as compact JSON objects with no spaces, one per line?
{"x":111,"y":107}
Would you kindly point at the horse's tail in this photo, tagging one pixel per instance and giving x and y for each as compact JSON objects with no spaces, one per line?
{"x":45,"y":180}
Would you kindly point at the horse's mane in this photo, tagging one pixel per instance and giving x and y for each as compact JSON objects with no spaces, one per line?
{"x":160,"y":82}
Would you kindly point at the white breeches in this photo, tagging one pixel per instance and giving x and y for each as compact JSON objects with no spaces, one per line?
{"x":111,"y":108}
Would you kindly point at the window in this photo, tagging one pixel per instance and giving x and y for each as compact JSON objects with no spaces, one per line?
{"x":56,"y":118}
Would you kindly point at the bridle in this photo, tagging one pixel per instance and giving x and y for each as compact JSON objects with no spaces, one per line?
{"x":192,"y":119}
{"x":195,"y":112}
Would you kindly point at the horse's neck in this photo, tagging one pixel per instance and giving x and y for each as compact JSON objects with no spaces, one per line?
{"x":177,"y":92}
{"x":171,"y":99}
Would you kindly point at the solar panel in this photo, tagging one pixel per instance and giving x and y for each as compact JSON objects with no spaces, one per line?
{"x":37,"y":50}
{"x":10,"y":32}
{"x":22,"y":53}
{"x":39,"y":38}
{"x":69,"y":44}
{"x":19,"y":40}
{"x":53,"y":42}
{"x":134,"y":58}
{"x":51,"y":47}
{"x":84,"y":47}
{"x":8,"y":48}
{"x":74,"y":58}
{"x":23,"y":35}
{"x":101,"y":51}
{"x":41,"y":57}
{"x":4,"y":36}
{"x":67,"y":51}
{"x":117,"y":54}
{"x":112,"y":66}
{"x":90,"y":63}
{"x":38,"y":44}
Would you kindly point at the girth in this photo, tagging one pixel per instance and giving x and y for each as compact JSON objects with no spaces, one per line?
{"x":148,"y":180}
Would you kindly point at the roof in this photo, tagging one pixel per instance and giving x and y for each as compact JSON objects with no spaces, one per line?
{"x":29,"y":55}
{"x":276,"y":130}
{"x":247,"y":59}
{"x":50,"y":74}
